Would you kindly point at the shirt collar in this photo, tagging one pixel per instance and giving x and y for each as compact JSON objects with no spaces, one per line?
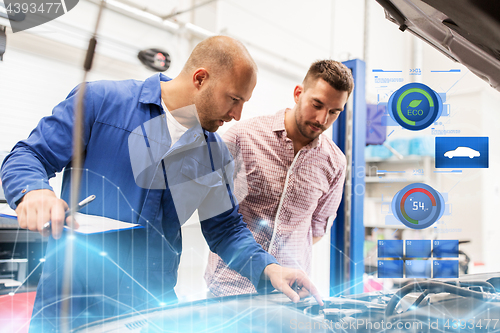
{"x":151,"y":89}
{"x":279,"y":121}
{"x":279,"y":126}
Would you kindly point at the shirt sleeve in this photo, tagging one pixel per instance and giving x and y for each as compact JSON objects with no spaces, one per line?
{"x":227,"y":234}
{"x":328,"y":205}
{"x":231,"y":139}
{"x":47,"y":150}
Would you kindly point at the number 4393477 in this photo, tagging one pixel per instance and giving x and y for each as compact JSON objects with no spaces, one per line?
{"x":479,"y":324}
{"x":33,"y":8}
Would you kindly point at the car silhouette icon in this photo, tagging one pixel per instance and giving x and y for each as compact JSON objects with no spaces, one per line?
{"x":462,"y":152}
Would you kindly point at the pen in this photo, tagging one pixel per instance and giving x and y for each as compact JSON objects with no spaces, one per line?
{"x":70,"y":212}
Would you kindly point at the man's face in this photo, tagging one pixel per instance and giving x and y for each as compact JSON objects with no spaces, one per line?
{"x":317,"y":107}
{"x":221,"y":100}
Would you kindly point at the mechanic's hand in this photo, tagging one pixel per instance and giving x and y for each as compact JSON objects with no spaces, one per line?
{"x":40,"y":206}
{"x":283,"y":278}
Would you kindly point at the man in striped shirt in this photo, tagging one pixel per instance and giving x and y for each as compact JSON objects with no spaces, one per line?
{"x":289,"y":176}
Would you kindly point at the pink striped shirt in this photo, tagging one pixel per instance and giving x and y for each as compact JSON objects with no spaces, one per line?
{"x":284,"y":199}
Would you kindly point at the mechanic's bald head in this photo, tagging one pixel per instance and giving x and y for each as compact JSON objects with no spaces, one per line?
{"x":219,"y":55}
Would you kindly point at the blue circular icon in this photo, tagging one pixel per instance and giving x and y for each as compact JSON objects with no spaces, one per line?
{"x":415,"y":106}
{"x":418,"y":206}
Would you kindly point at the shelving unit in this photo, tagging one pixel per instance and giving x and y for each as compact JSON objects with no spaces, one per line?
{"x":390,"y":175}
{"x":373,"y":179}
{"x":408,"y":172}
{"x":384,"y":178}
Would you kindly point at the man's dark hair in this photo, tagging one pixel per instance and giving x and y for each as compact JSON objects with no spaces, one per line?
{"x":335,"y":73}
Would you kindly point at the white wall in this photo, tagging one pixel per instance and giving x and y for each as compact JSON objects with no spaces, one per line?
{"x":42,"y":65}
{"x":491,"y":182}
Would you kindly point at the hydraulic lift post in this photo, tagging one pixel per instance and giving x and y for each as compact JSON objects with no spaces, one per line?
{"x":348,"y":232}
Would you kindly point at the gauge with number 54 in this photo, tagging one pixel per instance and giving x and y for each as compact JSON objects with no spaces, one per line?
{"x":418,"y":206}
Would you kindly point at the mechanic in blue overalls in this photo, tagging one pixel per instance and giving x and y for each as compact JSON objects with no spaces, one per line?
{"x":151,"y":158}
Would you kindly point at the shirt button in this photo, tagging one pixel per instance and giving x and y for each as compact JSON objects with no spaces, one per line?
{"x":23,"y":191}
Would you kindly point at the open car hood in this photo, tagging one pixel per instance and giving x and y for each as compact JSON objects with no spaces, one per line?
{"x":432,"y":306}
{"x":467,"y":31}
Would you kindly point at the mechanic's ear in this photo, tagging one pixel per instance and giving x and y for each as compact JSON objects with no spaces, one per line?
{"x":200,"y":76}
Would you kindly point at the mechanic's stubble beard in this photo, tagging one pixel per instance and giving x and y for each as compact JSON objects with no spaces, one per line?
{"x":205,"y":106}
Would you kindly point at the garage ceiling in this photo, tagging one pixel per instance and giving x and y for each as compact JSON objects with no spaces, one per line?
{"x":163,"y":8}
{"x":157,"y":7}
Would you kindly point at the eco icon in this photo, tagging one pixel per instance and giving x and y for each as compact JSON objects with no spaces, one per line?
{"x":415,"y":106}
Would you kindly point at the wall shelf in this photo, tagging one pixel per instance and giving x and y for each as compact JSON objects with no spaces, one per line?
{"x":411,"y":179}
{"x":399,"y":173}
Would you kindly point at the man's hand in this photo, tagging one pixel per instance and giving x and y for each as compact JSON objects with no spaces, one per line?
{"x":40,"y":206}
{"x":283,"y":279}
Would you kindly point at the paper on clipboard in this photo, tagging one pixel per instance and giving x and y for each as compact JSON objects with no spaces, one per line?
{"x":6,"y":211}
{"x":92,"y":224}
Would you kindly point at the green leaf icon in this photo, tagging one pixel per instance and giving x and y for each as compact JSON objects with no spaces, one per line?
{"x":415,"y":103}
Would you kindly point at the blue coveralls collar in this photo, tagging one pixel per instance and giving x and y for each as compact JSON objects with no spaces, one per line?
{"x":151,"y":91}
{"x":151,"y":94}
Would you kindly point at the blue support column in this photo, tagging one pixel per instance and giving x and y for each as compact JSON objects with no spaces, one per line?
{"x":349,"y":279}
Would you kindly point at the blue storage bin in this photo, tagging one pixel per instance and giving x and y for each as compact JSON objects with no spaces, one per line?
{"x":380,"y":151}
{"x":422,"y":146}
{"x":401,"y":145}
